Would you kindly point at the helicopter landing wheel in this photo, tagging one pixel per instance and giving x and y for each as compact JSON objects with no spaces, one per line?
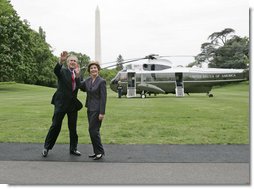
{"x":143,"y":96}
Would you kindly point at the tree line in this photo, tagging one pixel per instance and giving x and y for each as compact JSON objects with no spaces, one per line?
{"x":25,"y":56}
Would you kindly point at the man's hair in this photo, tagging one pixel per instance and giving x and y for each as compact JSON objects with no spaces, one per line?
{"x":71,"y":56}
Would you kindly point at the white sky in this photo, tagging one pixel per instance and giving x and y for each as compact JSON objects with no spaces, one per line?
{"x":134,"y":28}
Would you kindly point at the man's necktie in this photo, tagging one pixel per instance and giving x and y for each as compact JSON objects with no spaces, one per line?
{"x":73,"y":81}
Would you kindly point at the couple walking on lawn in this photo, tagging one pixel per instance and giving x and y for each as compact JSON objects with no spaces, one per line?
{"x":65,"y":102}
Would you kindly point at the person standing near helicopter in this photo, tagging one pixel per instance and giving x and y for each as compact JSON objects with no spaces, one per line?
{"x":65,"y":102}
{"x":119,"y":89}
{"x":95,"y":87}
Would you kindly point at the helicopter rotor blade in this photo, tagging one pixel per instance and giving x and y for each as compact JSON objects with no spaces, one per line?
{"x":124,"y":62}
{"x":178,"y":56}
{"x":150,"y":57}
{"x":114,"y":63}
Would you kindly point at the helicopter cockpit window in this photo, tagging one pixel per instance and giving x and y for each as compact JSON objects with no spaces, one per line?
{"x":117,"y":77}
{"x":123,"y":76}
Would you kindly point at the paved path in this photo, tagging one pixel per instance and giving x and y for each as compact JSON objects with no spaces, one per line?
{"x":132,"y":153}
{"x":126,"y":164}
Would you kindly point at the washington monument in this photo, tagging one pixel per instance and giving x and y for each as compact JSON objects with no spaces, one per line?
{"x":97,"y":36}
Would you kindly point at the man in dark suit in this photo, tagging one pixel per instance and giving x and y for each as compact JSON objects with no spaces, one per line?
{"x":95,"y":87}
{"x":65,"y":102}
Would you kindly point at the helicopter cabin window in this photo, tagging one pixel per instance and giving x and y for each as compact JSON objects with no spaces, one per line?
{"x":155,"y":67}
{"x":145,"y":67}
{"x":153,"y":74}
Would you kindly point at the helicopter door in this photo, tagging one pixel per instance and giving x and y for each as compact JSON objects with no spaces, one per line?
{"x":179,"y":90}
{"x":131,"y":87}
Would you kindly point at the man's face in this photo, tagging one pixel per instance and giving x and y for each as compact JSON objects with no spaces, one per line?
{"x":72,"y":63}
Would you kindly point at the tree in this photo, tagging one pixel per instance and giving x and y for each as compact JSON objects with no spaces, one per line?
{"x":207,"y":52}
{"x":224,"y":51}
{"x":42,"y":33}
{"x":119,"y":60}
{"x":44,"y":60}
{"x":24,"y":54}
{"x":220,"y":38}
{"x":12,"y":35}
{"x":108,"y":74}
{"x":234,"y":54}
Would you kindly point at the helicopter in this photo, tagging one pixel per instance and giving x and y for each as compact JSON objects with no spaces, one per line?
{"x":154,"y":74}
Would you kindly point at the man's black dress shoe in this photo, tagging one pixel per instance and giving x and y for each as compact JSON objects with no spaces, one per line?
{"x":92,"y":156}
{"x":75,"y":153}
{"x":45,"y":152}
{"x":98,"y":156}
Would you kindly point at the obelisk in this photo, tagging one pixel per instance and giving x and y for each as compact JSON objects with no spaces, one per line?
{"x":97,"y":36}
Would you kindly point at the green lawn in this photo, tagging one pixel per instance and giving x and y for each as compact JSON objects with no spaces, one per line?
{"x":26,"y":115}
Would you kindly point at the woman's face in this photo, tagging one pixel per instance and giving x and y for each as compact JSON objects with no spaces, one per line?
{"x":94,"y":70}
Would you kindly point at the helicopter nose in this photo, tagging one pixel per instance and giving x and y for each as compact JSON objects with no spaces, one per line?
{"x":113,"y":81}
{"x":113,"y":84}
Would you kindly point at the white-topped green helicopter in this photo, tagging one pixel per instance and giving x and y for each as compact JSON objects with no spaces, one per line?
{"x":155,"y":75}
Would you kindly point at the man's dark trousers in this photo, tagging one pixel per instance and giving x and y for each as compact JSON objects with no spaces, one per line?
{"x":56,"y":128}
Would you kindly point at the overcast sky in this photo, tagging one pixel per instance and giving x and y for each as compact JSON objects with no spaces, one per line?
{"x":134,"y":28}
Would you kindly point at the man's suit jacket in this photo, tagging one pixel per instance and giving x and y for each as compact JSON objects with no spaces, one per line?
{"x":96,"y":94}
{"x":65,"y":99}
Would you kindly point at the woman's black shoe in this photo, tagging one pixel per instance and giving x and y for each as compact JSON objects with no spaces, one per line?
{"x":92,"y":156}
{"x":98,"y":156}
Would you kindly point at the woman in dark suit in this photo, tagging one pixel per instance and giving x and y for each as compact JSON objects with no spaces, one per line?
{"x":95,"y":87}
